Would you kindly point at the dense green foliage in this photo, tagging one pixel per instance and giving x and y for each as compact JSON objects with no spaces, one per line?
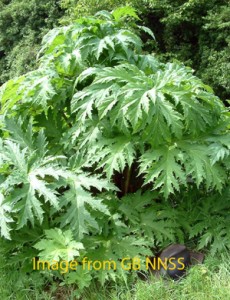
{"x":195,"y":32}
{"x":22,"y":26}
{"x":79,"y":8}
{"x":103,"y":143}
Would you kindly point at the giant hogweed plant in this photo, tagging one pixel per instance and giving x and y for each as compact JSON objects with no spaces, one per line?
{"x":105,"y":152}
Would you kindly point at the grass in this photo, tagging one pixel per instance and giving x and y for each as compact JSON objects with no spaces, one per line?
{"x":203,"y":282}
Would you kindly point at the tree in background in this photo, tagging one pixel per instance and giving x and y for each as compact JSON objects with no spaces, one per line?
{"x":22,"y":26}
{"x":78,"y":8}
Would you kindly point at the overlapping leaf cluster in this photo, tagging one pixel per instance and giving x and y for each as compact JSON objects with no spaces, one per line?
{"x":100,"y":133}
